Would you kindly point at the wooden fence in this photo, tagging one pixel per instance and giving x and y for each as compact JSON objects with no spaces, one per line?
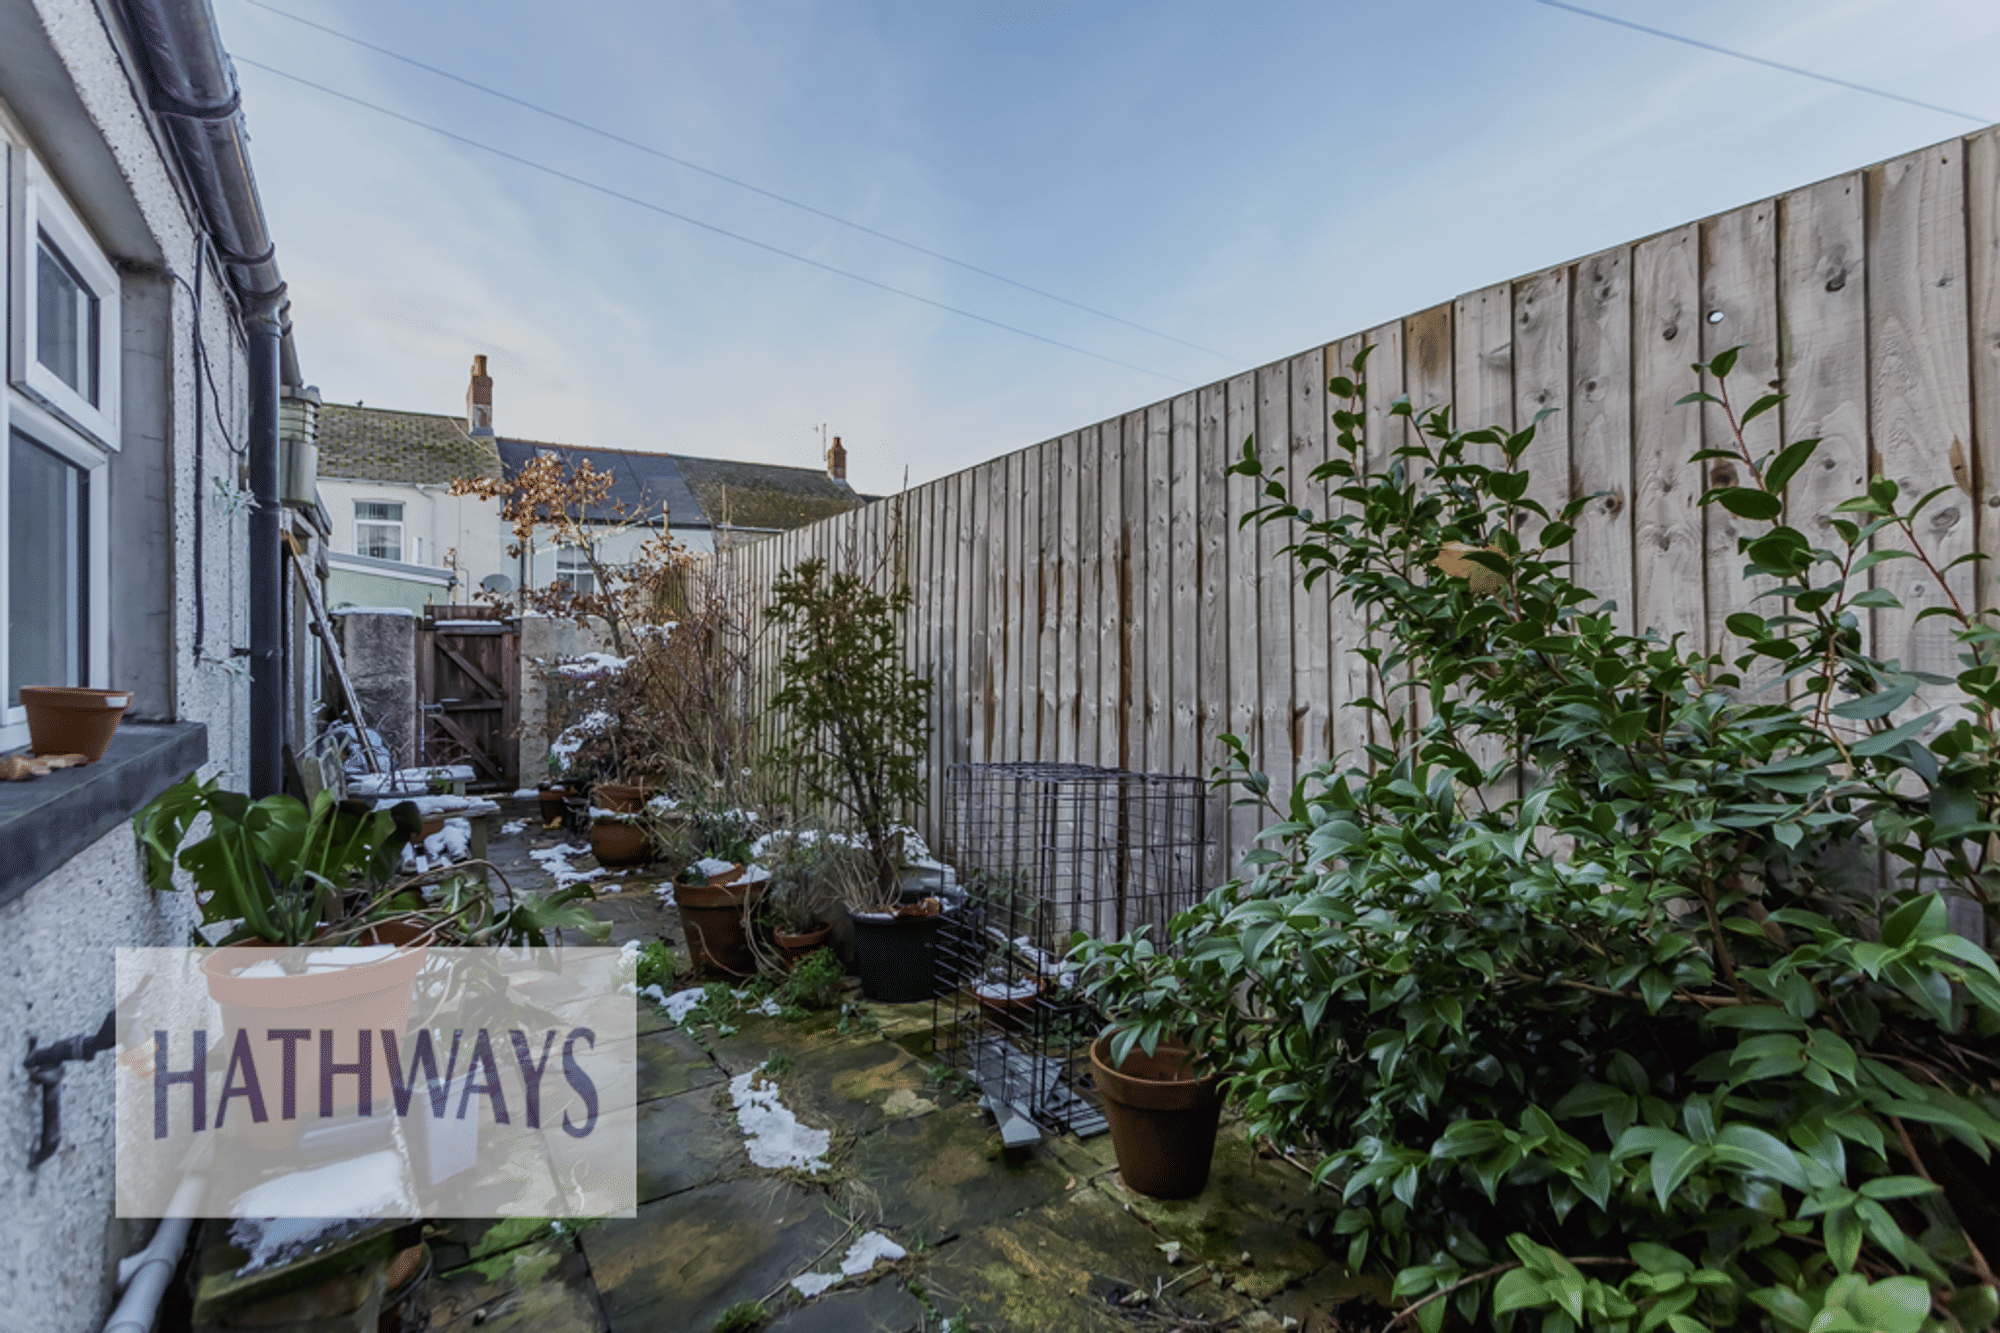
{"x":1092,"y":598}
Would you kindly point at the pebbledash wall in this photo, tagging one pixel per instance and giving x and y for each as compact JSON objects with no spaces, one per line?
{"x":1095,"y":599}
{"x":167,"y":624}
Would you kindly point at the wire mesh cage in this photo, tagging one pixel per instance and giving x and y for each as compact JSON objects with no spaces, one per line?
{"x":1044,"y":851}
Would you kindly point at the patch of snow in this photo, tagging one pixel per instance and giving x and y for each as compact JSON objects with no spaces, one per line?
{"x":526,"y":794}
{"x":753,"y":874}
{"x":512,"y":827}
{"x":270,"y":967}
{"x":772,"y":1135}
{"x":680,"y":1002}
{"x":373,"y":611}
{"x":591,"y":665}
{"x":711,"y":867}
{"x":665,"y":893}
{"x":555,"y":860}
{"x":860,"y":1258}
{"x":286,"y":1217}
{"x":454,"y":843}
{"x":1000,"y":990}
{"x":662,"y":802}
{"x":574,"y":735}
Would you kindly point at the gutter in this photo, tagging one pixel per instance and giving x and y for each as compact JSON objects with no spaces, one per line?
{"x":192,"y":87}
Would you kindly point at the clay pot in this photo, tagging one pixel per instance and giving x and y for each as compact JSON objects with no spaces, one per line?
{"x":1163,"y":1118}
{"x":1454,"y":559}
{"x":617,"y":845}
{"x":550,"y":798}
{"x":433,"y":825}
{"x":622,"y":798}
{"x":1004,"y":1011}
{"x":797,"y":948}
{"x":368,"y":996}
{"x":712,"y":918}
{"x":67,"y":720}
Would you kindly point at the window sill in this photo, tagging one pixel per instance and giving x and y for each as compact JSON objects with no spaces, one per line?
{"x":47,"y":820}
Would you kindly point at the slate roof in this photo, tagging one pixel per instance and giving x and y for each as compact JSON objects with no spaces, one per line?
{"x":418,"y":448}
{"x":765,"y":496}
{"x":704,"y":492}
{"x":640,"y":482}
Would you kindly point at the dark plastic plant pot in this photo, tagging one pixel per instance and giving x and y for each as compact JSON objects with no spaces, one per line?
{"x":550,"y":798}
{"x":1163,"y":1118}
{"x":897,"y":956}
{"x":712,"y":918}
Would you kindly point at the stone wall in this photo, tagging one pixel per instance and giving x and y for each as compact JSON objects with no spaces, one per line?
{"x":380,"y":650}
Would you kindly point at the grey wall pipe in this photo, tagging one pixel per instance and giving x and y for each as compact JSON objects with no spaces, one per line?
{"x":194,"y":91}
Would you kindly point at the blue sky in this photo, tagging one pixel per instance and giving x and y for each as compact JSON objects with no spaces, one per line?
{"x":1252,"y":176}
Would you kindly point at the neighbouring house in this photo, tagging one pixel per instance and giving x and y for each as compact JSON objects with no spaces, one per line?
{"x":145,"y":350}
{"x":401,"y":539}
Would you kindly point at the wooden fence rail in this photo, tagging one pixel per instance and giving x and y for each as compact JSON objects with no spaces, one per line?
{"x":1094,"y":599}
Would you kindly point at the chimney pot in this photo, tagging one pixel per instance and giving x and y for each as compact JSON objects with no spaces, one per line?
{"x":479,"y":400}
{"x":836,"y":461}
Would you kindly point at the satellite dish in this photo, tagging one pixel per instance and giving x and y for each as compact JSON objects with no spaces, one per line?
{"x":497,"y":583}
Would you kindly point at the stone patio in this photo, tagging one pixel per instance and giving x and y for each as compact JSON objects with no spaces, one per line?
{"x":1049,"y":1239}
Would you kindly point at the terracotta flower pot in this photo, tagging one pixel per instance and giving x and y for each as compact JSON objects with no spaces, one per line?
{"x":433,"y":825}
{"x":550,"y":798}
{"x":1008,"y":1007}
{"x":712,"y":918}
{"x":622,"y":798}
{"x":1163,"y":1118}
{"x":369,"y":996}
{"x":797,"y":948}
{"x":617,"y":845}
{"x":67,"y":720}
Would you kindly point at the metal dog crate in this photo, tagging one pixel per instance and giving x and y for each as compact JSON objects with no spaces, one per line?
{"x":1044,"y":851}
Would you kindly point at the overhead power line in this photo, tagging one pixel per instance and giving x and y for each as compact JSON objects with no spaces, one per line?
{"x":1755,"y":60}
{"x":787,"y":200}
{"x":648,"y":205}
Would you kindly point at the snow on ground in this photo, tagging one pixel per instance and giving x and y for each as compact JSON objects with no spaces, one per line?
{"x":665,"y":893}
{"x":772,"y":1135}
{"x":370,"y":1186}
{"x":679,"y":1003}
{"x":512,"y":827}
{"x":555,"y":860}
{"x":861,"y":1257}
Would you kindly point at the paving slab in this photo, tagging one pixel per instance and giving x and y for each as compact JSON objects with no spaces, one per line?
{"x":883,"y":1307}
{"x":858,"y":1086}
{"x":671,"y":1064}
{"x":686,"y":1142}
{"x":1252,"y":1205}
{"x":1065,"y":1266}
{"x":686,"y":1258}
{"x":541,"y":1287}
{"x":937,"y":1176}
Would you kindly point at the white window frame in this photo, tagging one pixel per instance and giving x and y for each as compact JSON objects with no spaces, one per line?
{"x":20,"y":415}
{"x":36,"y":207}
{"x":587,"y":570}
{"x":32,"y":404}
{"x":401,"y":525}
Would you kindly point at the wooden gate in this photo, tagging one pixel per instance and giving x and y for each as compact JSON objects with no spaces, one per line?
{"x":468,"y":691}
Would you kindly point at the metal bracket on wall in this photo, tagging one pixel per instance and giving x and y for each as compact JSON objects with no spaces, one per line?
{"x":45,"y":1069}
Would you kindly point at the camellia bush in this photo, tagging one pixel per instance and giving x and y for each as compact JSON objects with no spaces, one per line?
{"x":1617,"y":987}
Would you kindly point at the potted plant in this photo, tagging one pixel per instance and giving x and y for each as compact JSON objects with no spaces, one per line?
{"x":717,"y":893}
{"x":64,"y":719}
{"x":1160,"y":1089}
{"x":618,"y":840}
{"x":852,"y":720}
{"x":799,"y":901}
{"x":550,"y":797}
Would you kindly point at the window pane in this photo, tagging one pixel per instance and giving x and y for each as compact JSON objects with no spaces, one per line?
{"x":65,"y":322}
{"x":44,"y":595}
{"x":378,"y":511}
{"x":384,"y":541}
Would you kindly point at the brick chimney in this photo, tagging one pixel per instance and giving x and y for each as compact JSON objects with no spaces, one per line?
{"x":836,"y":461}
{"x":479,"y":400}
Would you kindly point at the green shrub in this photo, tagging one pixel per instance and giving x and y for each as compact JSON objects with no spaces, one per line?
{"x":814,"y":980}
{"x":1583,"y":991}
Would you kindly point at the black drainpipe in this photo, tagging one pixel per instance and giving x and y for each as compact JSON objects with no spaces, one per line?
{"x":194,"y":89}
